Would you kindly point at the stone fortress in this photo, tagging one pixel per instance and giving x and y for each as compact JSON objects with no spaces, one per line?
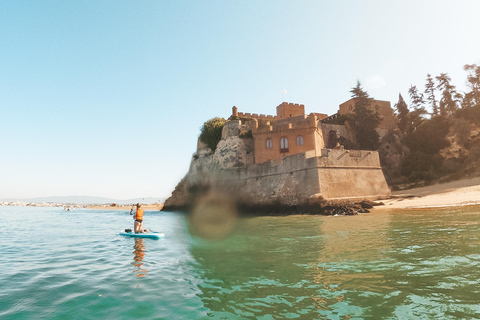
{"x":288,"y":160}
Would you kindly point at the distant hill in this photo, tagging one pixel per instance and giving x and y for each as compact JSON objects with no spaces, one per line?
{"x":88,"y":200}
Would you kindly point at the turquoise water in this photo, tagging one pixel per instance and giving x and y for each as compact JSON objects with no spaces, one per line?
{"x":422,"y":264}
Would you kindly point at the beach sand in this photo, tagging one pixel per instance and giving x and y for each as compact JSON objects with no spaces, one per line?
{"x":455,"y":193}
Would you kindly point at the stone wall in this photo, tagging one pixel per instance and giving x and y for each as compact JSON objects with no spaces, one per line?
{"x":291,"y":181}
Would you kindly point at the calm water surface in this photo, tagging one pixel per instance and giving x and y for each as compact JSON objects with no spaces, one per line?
{"x":422,"y":264}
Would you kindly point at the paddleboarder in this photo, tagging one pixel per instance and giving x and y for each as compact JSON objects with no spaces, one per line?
{"x":138,"y":219}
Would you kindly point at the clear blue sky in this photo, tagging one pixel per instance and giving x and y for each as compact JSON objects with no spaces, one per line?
{"x":106,"y":98}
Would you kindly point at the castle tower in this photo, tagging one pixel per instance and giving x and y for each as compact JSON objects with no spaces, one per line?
{"x":289,"y":110}
{"x":234,"y":111}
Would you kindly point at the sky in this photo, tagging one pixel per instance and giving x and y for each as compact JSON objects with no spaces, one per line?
{"x":107,"y":98}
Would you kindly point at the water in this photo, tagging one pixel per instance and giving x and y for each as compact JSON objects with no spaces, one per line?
{"x":422,"y":264}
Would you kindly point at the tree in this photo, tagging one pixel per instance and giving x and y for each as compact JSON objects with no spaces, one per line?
{"x":365,"y":120}
{"x":472,"y":98}
{"x":211,"y":132}
{"x":416,"y":116}
{"x":430,"y":92}
{"x":416,"y":98}
{"x":423,"y":161}
{"x":402,"y":114}
{"x":450,"y":97}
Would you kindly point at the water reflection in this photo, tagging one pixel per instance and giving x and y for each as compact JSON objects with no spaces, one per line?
{"x":436,"y":256}
{"x":261,"y":270}
{"x":139,"y":254}
{"x":379,"y":265}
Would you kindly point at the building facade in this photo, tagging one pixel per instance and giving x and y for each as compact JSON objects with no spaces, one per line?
{"x":291,"y":131}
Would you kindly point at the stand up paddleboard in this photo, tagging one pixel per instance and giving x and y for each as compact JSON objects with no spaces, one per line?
{"x":151,"y":235}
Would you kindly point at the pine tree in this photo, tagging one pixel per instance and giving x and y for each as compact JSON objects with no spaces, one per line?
{"x":402,"y":114}
{"x":365,"y":120}
{"x":416,"y":98}
{"x":450,"y":97}
{"x":430,"y":92}
{"x":472,"y":98}
{"x":416,"y":116}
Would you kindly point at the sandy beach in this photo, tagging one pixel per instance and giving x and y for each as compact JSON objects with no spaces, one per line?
{"x":455,"y":193}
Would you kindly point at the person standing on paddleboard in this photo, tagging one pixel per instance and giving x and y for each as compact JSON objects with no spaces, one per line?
{"x":138,"y":220}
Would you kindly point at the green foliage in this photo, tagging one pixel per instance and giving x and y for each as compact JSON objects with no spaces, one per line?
{"x":416,"y":98}
{"x":450,"y":97}
{"x":462,"y":130}
{"x":472,"y":98}
{"x":430,"y":136}
{"x":430,"y":92}
{"x":347,"y":144}
{"x":365,"y":121}
{"x":453,"y":113}
{"x":424,"y":161}
{"x":211,"y":132}
{"x":471,"y":114}
{"x":419,"y":166}
{"x":402,"y":114}
{"x":415,"y":119}
{"x":246,"y":134}
{"x":416,"y":116}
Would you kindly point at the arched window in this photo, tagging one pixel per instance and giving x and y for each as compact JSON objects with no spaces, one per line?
{"x":299,"y":141}
{"x":283,"y":145}
{"x":269,"y":143}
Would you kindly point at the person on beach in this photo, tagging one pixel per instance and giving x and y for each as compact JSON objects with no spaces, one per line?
{"x":138,"y":220}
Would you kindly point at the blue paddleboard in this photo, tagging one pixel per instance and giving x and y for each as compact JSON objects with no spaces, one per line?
{"x":151,"y":235}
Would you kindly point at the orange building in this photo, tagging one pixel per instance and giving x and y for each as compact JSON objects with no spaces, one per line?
{"x":291,"y":132}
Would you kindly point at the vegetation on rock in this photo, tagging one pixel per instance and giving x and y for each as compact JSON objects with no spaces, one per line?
{"x":211,"y":132}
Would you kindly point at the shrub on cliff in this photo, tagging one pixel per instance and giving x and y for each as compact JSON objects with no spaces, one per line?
{"x":211,"y":132}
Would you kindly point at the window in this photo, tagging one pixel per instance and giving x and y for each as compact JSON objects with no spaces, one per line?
{"x":299,"y":141}
{"x":283,"y":145}
{"x":269,"y":143}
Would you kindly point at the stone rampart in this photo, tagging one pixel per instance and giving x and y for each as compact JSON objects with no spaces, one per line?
{"x":290,"y":181}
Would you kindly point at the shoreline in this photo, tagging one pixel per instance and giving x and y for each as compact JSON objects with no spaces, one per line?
{"x":146,"y":207}
{"x":450,"y":194}
{"x":457,"y":193}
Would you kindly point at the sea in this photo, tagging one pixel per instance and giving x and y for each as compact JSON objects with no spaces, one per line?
{"x":387,"y":264}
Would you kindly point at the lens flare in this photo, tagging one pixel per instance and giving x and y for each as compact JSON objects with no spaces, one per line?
{"x":213,"y":217}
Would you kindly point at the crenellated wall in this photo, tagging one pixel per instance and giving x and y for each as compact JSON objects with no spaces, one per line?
{"x":256,"y":116}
